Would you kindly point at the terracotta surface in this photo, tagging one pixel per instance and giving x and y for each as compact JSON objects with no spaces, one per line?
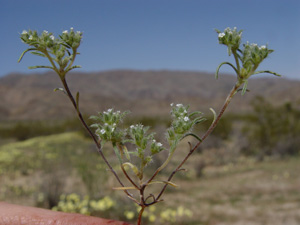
{"x":16,"y":215}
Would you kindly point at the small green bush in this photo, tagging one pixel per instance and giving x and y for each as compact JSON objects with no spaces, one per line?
{"x":272,"y":130}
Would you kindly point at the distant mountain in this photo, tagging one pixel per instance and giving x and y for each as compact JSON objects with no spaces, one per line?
{"x":142,"y":92}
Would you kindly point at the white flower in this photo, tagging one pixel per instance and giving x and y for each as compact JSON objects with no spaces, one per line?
{"x":221,"y":35}
{"x":24,"y":32}
{"x":30,"y":37}
{"x":153,"y":140}
{"x":112,"y":129}
{"x":65,"y":32}
{"x":102,"y":131}
{"x":263,"y":47}
{"x":171,"y":104}
{"x":179,"y":105}
{"x":159,"y":144}
{"x":109,"y":110}
{"x":186,"y":119}
{"x":52,"y":37}
{"x":45,"y":32}
{"x":132,"y":126}
{"x":114,"y":124}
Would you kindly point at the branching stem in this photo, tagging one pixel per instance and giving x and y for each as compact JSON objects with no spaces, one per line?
{"x":99,"y":147}
{"x":207,"y":133}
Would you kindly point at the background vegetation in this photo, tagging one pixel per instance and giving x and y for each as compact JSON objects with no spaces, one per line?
{"x":247,"y":172}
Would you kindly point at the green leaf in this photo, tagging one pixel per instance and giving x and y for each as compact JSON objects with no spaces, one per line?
{"x":38,"y":67}
{"x":193,"y":135}
{"x":38,"y":54}
{"x":66,"y":45}
{"x":95,"y":118}
{"x":117,"y":152}
{"x":23,"y":53}
{"x":124,"y":188}
{"x":199,"y":120}
{"x":245,"y":87}
{"x":73,"y":67}
{"x":214,"y":113}
{"x":69,"y":53}
{"x":95,"y":125}
{"x":171,"y":183}
{"x":132,"y":167}
{"x":195,"y":113}
{"x":164,"y":182}
{"x":218,"y":31}
{"x":267,"y":71}
{"x":126,"y":153}
{"x":223,"y":63}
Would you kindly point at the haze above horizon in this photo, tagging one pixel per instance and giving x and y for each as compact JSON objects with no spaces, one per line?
{"x":156,"y":34}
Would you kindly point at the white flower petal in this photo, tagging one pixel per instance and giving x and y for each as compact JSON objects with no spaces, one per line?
{"x":221,"y":35}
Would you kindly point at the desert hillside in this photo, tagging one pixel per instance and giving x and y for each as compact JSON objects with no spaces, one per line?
{"x":143,"y":92}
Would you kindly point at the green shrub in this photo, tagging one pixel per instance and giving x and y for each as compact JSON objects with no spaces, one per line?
{"x":272,"y":130}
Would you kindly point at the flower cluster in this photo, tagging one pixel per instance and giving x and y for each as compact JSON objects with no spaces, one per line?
{"x":181,"y":120}
{"x":102,"y":204}
{"x":182,"y":123}
{"x":71,"y":38}
{"x":43,"y":41}
{"x":72,"y":203}
{"x":107,"y":125}
{"x":138,"y":135}
{"x":166,"y":215}
{"x":60,"y":51}
{"x":252,"y":56}
{"x":231,"y":38}
{"x":171,"y":215}
{"x":247,"y":59}
{"x":156,"y":147}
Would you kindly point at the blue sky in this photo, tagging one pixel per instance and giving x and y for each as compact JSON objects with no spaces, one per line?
{"x":154,"y":34}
